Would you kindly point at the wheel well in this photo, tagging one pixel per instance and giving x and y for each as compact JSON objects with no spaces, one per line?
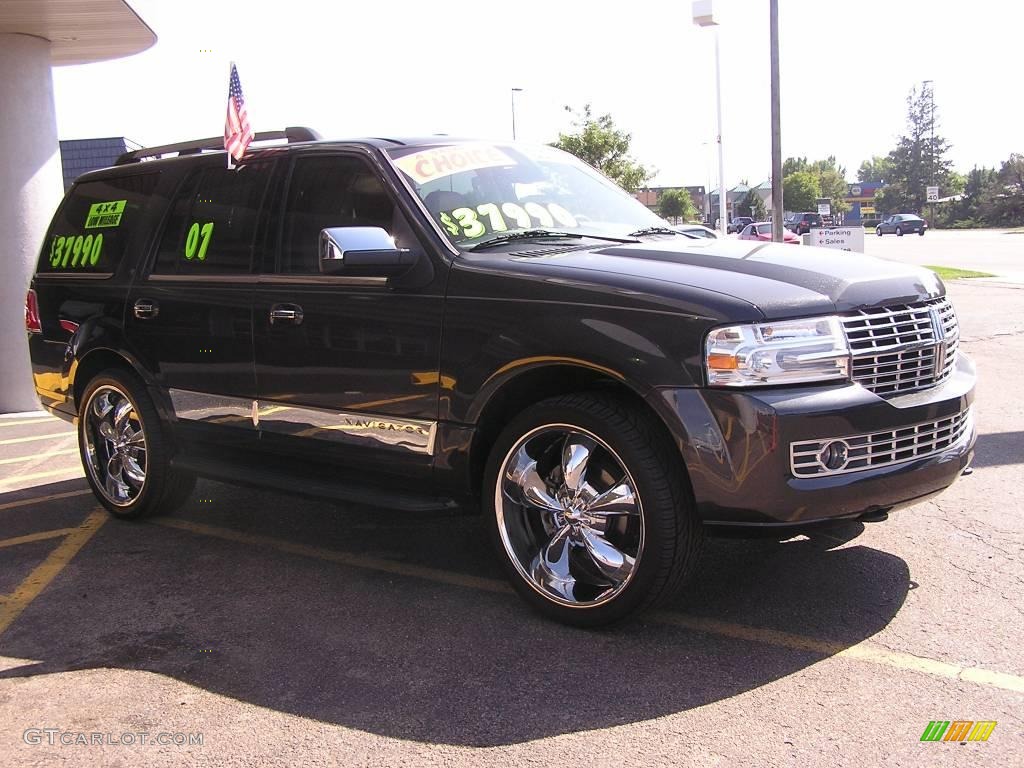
{"x":540,"y":384}
{"x":90,"y":365}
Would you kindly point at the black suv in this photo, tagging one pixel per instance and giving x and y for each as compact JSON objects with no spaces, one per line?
{"x":737,"y":224}
{"x":427,"y":323}
{"x":801,"y":223}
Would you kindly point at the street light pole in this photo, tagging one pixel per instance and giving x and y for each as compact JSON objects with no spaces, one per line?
{"x":931,"y":148}
{"x":777,"y":206}
{"x":514,"y":92}
{"x":710,"y":179}
{"x":703,"y":16}
{"x":723,"y":196}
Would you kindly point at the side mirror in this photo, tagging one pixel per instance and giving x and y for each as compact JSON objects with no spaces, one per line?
{"x":363,"y":252}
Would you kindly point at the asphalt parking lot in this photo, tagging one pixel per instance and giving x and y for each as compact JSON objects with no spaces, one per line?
{"x":285,"y":631}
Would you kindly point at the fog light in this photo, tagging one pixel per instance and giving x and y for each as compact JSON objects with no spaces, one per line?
{"x":834,"y":455}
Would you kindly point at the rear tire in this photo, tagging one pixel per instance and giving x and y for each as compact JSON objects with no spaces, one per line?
{"x":899,"y":232}
{"x":124,"y":452}
{"x":590,"y":512}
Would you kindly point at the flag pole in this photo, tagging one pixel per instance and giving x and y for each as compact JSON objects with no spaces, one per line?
{"x":231,"y":67}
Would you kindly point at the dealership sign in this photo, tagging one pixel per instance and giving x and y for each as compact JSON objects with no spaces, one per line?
{"x":841,"y":238}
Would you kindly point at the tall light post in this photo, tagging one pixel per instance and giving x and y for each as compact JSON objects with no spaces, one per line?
{"x":514,"y":92}
{"x":703,"y":16}
{"x":777,"y":231}
{"x":930,"y":85}
{"x":710,"y":178}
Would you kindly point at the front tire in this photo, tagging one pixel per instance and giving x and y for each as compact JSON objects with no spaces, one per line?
{"x":899,"y":232}
{"x":920,"y":232}
{"x":590,"y":512}
{"x":124,"y":453}
{"x":878,"y":231}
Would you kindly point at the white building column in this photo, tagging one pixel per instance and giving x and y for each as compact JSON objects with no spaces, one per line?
{"x":31,"y":186}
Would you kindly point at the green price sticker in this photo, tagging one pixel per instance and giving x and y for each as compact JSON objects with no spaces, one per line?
{"x":76,"y":251}
{"x":490,"y":217}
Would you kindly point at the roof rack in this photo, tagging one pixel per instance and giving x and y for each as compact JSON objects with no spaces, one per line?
{"x":196,"y":146}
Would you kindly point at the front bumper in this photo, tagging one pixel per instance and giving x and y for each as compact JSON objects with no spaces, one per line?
{"x":736,"y":446}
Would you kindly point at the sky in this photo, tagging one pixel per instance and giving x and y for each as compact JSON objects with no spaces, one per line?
{"x":402,"y":68}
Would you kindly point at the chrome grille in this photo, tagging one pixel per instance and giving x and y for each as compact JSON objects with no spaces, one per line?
{"x":881,"y":449}
{"x":903,"y":348}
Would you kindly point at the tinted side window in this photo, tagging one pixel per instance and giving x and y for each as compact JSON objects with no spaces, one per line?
{"x":334,"y":191}
{"x":93,"y":226}
{"x":213,"y":222}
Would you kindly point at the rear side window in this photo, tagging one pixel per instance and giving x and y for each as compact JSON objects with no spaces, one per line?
{"x":213,"y":222}
{"x":92,"y":228}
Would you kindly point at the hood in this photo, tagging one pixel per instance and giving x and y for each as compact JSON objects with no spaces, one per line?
{"x":778,"y":279}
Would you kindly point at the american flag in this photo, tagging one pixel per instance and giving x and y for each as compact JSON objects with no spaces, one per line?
{"x":237,"y":131}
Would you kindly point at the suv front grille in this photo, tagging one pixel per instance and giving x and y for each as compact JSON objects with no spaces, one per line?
{"x":880,"y":449}
{"x":903,"y":348}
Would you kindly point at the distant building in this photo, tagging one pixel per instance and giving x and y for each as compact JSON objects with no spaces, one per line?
{"x":861,"y":197}
{"x":733,"y":198}
{"x":651,"y":196}
{"x":764,"y":191}
{"x":78,"y":156}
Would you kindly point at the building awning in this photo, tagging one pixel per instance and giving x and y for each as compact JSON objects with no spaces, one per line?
{"x":80,"y":31}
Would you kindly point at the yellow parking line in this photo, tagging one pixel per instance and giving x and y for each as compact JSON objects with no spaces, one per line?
{"x":48,"y":570}
{"x":41,"y":499}
{"x":41,"y":536}
{"x":39,"y":456}
{"x":275,"y":409}
{"x":863,"y":651}
{"x":13,"y":440}
{"x":40,"y":475}
{"x":37,"y":420}
{"x":342,"y":558}
{"x":389,"y":401}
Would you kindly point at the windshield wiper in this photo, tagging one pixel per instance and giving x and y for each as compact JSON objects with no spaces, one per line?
{"x":654,"y":231}
{"x":530,"y":234}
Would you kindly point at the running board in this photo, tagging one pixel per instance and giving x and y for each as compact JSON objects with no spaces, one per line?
{"x":312,"y":487}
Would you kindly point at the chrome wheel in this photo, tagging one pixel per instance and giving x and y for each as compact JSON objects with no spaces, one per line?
{"x":569,"y":515}
{"x":114,"y":445}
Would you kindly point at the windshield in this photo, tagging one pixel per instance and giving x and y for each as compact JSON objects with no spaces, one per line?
{"x":478,"y":191}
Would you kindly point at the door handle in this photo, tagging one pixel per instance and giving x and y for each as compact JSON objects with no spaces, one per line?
{"x":286,"y":313}
{"x":146,"y":309}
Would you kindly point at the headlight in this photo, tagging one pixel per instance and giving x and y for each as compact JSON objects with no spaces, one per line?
{"x":786,"y":352}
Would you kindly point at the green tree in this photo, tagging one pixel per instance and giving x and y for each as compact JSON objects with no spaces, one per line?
{"x":990,"y":197}
{"x":598,"y":142}
{"x":753,"y":206}
{"x":794,"y":165}
{"x":677,"y":204}
{"x":800,"y":191}
{"x":830,"y":178}
{"x":918,"y":160}
{"x":1012,"y":174}
{"x":876,"y":170}
{"x":1009,"y":200}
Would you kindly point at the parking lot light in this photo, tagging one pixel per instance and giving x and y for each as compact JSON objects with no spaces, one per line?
{"x":704,"y":16}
